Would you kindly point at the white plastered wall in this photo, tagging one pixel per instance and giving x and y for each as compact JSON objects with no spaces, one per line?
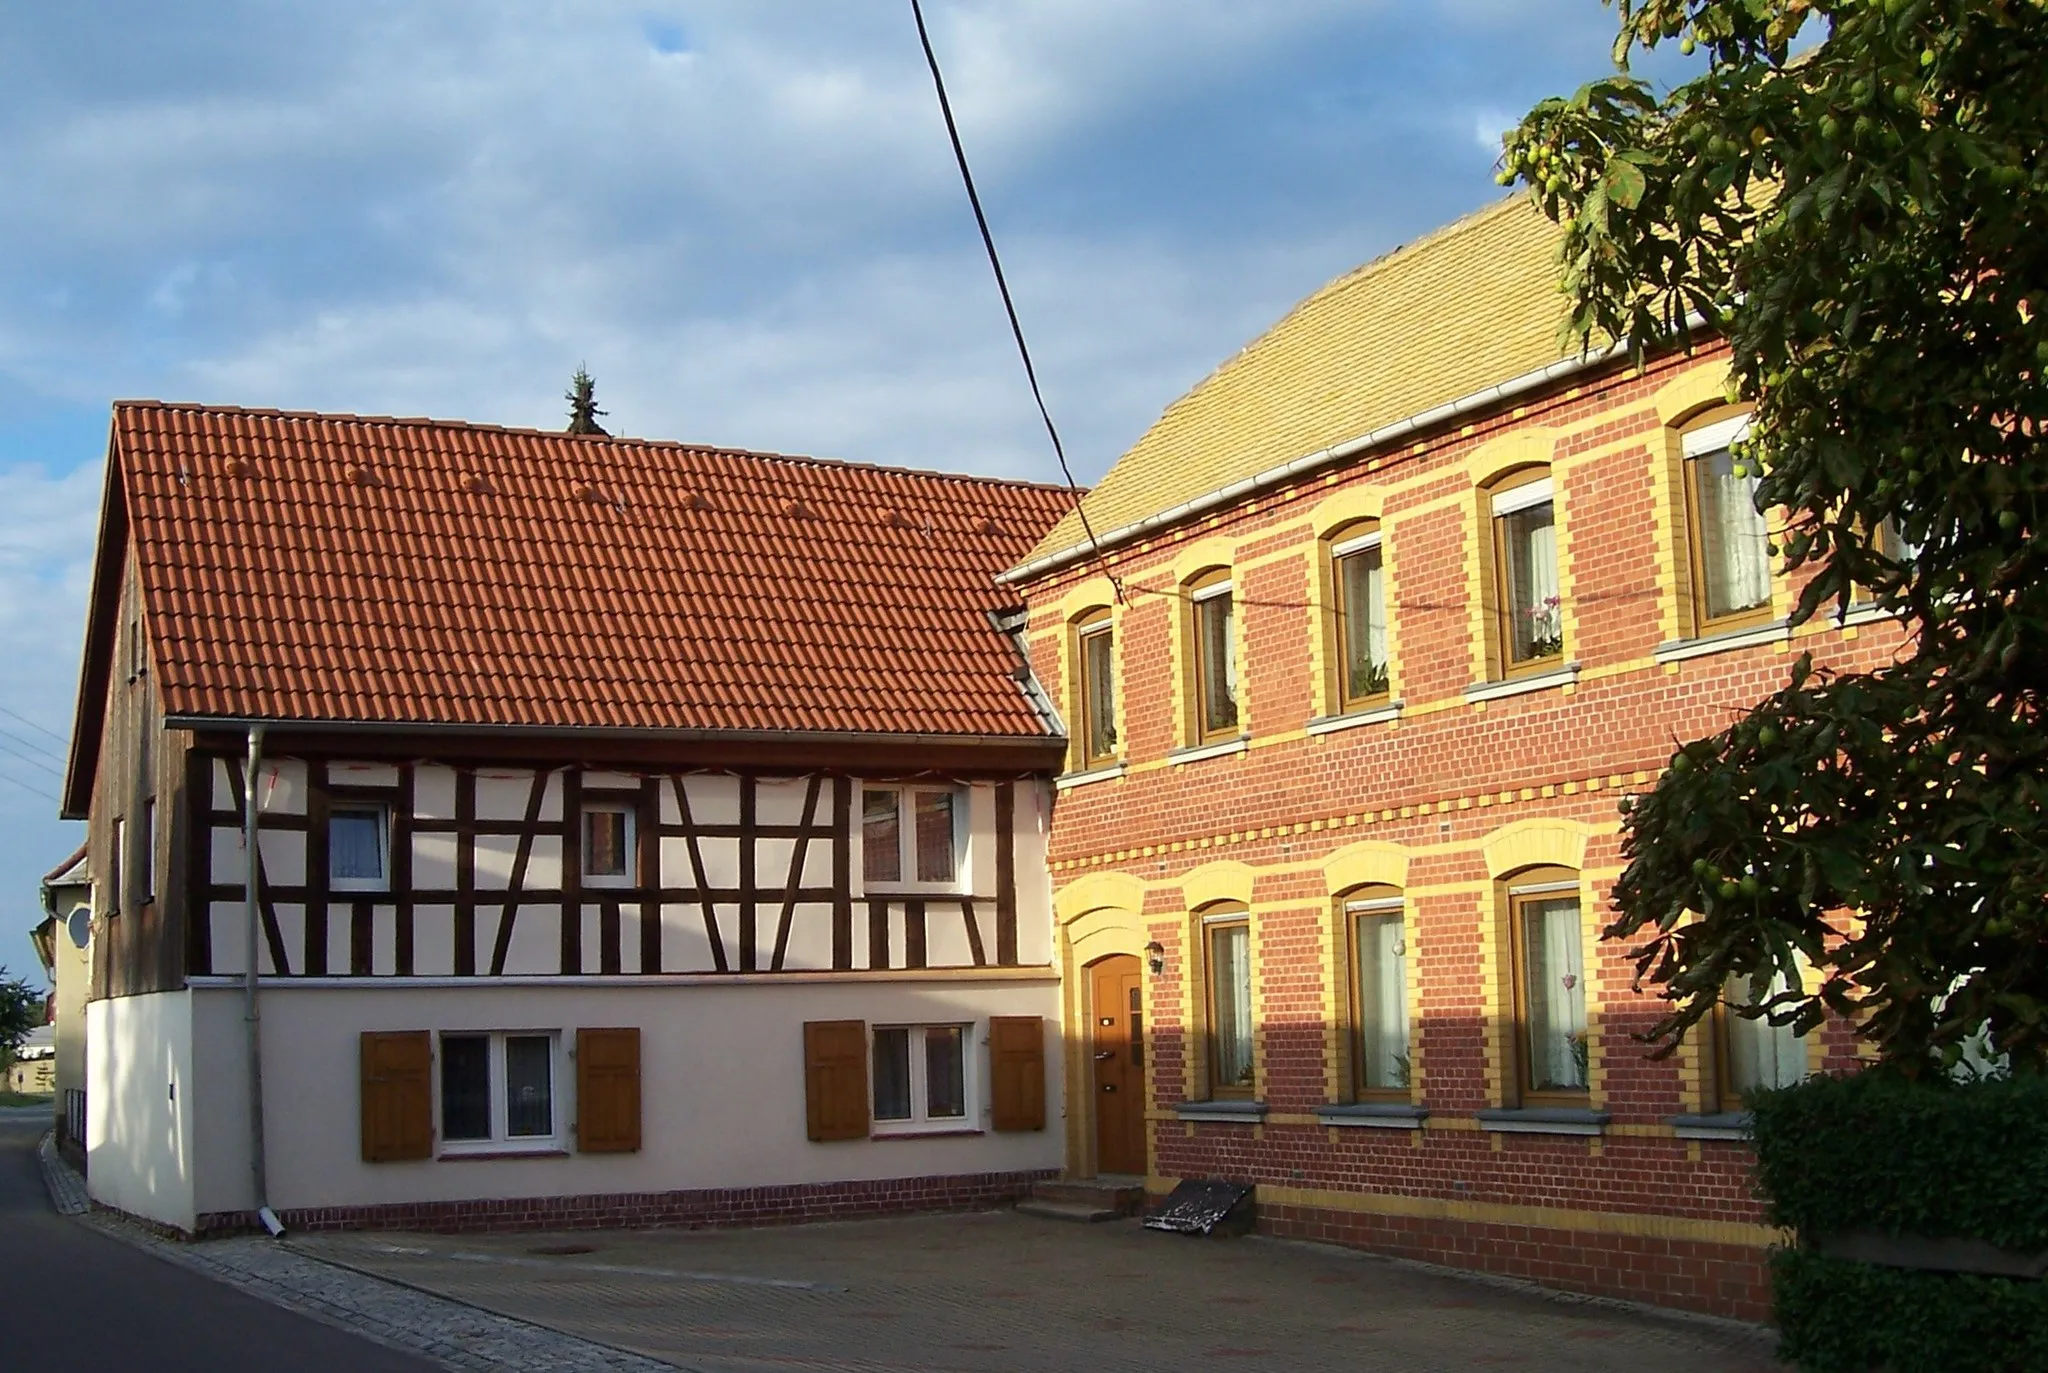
{"x":139,"y":1083}
{"x":722,"y":1087}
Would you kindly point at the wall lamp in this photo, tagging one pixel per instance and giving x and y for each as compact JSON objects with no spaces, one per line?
{"x":1155,"y":957}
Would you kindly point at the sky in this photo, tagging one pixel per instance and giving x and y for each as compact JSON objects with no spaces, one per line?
{"x":741,"y":215}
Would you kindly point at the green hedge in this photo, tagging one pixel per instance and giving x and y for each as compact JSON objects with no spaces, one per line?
{"x":1937,"y":1159}
{"x":1840,"y":1316}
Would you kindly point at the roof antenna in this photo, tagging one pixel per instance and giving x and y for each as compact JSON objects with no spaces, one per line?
{"x":1009,"y":306}
{"x":582,"y":398}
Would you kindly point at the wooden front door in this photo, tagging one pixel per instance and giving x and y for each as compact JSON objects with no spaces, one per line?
{"x":1117,"y":1049}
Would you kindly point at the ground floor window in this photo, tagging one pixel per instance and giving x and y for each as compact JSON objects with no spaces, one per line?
{"x":498,"y":1089}
{"x":1227,"y":936}
{"x":1380,"y":947}
{"x":1550,"y":985}
{"x":1755,"y":1053}
{"x":920,"y":1075}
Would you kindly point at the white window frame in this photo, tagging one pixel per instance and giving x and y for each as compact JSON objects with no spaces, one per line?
{"x":906,"y":838}
{"x":1356,"y":912}
{"x":631,"y":876}
{"x":921,"y":1121}
{"x":501,"y":1140}
{"x":380,"y":883}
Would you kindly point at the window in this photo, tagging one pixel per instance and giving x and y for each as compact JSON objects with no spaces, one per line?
{"x":1531,"y":624}
{"x":1755,"y":1053}
{"x":1095,"y":643}
{"x":929,"y":847}
{"x":608,"y":845}
{"x":145,"y":867}
{"x":498,"y":1089}
{"x":1361,"y":618}
{"x":1380,"y":982}
{"x":1227,"y":945}
{"x":1215,"y":656}
{"x":117,"y":865}
{"x":1731,"y":563}
{"x":920,"y":1075}
{"x":359,"y":848}
{"x":1550,"y":986}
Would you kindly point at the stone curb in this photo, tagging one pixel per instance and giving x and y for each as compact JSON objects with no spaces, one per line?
{"x":67,"y":1189}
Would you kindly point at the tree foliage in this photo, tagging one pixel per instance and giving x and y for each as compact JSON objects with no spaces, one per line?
{"x":1853,"y":194}
{"x":21,"y":1010}
{"x":582,"y":398}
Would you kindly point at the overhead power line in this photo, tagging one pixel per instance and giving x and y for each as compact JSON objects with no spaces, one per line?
{"x":995,"y":263}
{"x":40,"y":729}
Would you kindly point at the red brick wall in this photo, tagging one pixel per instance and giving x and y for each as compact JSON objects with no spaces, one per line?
{"x":1433,"y":784}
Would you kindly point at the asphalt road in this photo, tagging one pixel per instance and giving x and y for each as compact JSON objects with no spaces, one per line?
{"x":71,"y":1298}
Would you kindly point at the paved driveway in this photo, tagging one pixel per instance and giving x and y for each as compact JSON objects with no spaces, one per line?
{"x":1002,"y":1293}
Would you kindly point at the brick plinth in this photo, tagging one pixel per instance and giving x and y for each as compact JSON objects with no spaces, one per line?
{"x":710,"y":1207}
{"x":1720,"y":1279}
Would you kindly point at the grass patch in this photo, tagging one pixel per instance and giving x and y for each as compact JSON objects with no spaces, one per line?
{"x":19,"y":1099}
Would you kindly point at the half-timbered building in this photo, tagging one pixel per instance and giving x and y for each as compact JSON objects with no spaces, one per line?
{"x":641,"y":832}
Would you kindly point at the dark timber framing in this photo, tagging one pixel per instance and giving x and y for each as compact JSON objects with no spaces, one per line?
{"x":756,"y":898}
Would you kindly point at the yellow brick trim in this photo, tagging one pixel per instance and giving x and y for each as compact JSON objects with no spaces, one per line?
{"x":1635,"y":1225}
{"x":1536,"y":843}
{"x":1687,"y":394}
{"x":1503,"y":453}
{"x":1631,"y":1224}
{"x":1100,"y":890}
{"x":1368,"y":862}
{"x":1213,"y":882}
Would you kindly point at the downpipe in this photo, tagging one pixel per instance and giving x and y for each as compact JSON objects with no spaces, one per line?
{"x":251,"y":1024}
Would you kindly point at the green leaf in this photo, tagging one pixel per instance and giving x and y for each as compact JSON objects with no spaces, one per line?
{"x":1624,"y":184}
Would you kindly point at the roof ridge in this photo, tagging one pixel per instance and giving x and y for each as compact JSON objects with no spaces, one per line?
{"x":678,"y":445}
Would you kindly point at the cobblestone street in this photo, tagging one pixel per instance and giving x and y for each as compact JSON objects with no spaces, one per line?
{"x":1001,"y":1293}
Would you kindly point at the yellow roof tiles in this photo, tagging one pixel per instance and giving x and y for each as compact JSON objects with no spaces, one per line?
{"x":1471,"y":305}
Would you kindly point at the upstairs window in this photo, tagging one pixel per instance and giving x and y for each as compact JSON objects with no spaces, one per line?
{"x":608,"y":845}
{"x":1215,"y":656}
{"x":1731,"y":563}
{"x":1094,"y":650}
{"x":1531,"y":622}
{"x":145,"y":861}
{"x":1360,"y":581}
{"x":358,"y":848}
{"x":925,"y":851}
{"x":1550,"y":986}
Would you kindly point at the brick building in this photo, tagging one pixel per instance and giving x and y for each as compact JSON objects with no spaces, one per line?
{"x":1380,"y":622}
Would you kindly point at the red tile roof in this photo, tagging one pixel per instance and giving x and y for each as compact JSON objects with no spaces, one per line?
{"x":339,"y":568}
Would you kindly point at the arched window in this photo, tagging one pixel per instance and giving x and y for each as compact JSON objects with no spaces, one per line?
{"x":1227,"y":978}
{"x":1529,"y":620}
{"x":1378,"y":932}
{"x":1094,"y":659}
{"x":1729,"y":541}
{"x":1358,"y":583}
{"x":1212,"y":645}
{"x":1546,"y":945}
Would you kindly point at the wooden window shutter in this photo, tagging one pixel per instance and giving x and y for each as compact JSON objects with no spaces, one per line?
{"x":1016,"y":1055}
{"x":608,"y":1091}
{"x":398,"y":1095}
{"x":836,"y":1079}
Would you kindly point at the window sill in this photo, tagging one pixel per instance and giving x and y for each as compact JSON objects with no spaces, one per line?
{"x":1565,"y":675}
{"x":1378,"y":715}
{"x":926,"y":1132}
{"x":335,"y":888}
{"x":1101,"y":773}
{"x":1221,"y":749}
{"x":1374,"y":1115}
{"x":1246,"y":1111}
{"x":1720,"y":1125}
{"x":1545,"y":1120}
{"x":1776,"y":632}
{"x":487,"y":1155}
{"x":1864,"y":613}
{"x":591,"y":883}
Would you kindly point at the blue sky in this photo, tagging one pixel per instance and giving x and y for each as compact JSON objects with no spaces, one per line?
{"x":741,"y":214}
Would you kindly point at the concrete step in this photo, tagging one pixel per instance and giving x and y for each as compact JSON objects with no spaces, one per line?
{"x":1085,"y":1213}
{"x":1122,"y":1197}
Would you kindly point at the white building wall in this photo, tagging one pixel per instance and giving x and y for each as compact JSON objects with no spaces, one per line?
{"x":139,"y":1086}
{"x":722,"y":1084}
